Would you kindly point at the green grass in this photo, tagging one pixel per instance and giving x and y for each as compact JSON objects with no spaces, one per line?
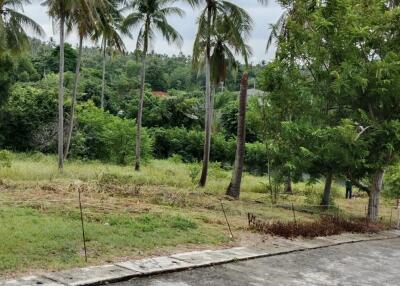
{"x":31,"y":239}
{"x":131,"y":214}
{"x":43,"y":168}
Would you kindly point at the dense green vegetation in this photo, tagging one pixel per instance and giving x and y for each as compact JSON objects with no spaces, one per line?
{"x":328,"y":109}
{"x":172,"y":122}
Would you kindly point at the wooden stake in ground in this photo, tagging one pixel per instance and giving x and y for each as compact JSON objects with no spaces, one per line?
{"x":226,"y":219}
{"x":234,"y":187}
{"x":398,"y":218}
{"x":294,"y":214}
{"x":83,"y":226}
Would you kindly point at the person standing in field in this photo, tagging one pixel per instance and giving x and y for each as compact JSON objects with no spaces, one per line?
{"x":349,"y":189}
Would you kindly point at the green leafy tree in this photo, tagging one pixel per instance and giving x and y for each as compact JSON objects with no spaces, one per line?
{"x":70,"y":59}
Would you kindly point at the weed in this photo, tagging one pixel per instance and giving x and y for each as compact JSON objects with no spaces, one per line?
{"x":325,"y":226}
{"x":5,"y":159}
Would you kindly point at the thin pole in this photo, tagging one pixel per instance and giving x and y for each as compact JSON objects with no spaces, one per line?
{"x":294,"y":214}
{"x":83,"y":227}
{"x":398,"y":218}
{"x":226,"y":218}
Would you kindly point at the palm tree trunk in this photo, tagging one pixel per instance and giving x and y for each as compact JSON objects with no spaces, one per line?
{"x":103,"y":83}
{"x":208,"y":105}
{"x":374,"y":195}
{"x":327,"y":190}
{"x":140,"y":110}
{"x":234,"y":187}
{"x":61,"y":98}
{"x":74,"y":95}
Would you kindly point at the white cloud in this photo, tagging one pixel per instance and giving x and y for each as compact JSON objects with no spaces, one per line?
{"x":263,"y":16}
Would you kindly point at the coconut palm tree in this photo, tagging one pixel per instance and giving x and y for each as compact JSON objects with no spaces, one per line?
{"x":229,"y":37}
{"x":109,"y":31}
{"x":84,"y":22}
{"x":59,"y":11}
{"x":13,"y":26}
{"x":234,"y":186}
{"x":234,"y":23}
{"x":151,"y":17}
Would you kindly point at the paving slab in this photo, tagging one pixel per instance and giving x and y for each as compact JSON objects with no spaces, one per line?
{"x":204,"y":258}
{"x":30,"y":281}
{"x":339,"y":239}
{"x":311,"y":243}
{"x":242,"y":253}
{"x":95,"y":275}
{"x":391,"y":233}
{"x":279,"y":245}
{"x":155,"y":265}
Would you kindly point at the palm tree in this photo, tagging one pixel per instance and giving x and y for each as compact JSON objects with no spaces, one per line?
{"x":86,"y":19}
{"x":234,"y":186}
{"x":13,"y":25}
{"x":83,"y":20}
{"x":108,"y":30}
{"x":59,"y":11}
{"x":150,"y":16}
{"x":218,"y":17}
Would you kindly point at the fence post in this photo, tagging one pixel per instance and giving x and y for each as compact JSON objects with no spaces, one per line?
{"x":294,"y":214}
{"x":82,"y":225}
{"x":398,"y":218}
{"x":226,"y":219}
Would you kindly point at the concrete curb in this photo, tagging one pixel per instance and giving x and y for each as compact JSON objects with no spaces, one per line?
{"x":99,"y":275}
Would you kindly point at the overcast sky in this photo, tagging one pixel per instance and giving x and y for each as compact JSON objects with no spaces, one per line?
{"x":263,"y":16}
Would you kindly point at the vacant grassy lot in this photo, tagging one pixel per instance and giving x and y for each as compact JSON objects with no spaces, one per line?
{"x":129,"y":214}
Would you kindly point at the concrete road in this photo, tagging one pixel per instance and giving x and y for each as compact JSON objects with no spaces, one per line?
{"x":365,"y":263}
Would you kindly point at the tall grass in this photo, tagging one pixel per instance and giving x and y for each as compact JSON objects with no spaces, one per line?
{"x":43,"y":168}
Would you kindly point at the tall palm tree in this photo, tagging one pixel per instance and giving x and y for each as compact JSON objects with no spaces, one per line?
{"x":59,"y":11}
{"x":109,"y":31}
{"x":83,"y":21}
{"x":13,"y":26}
{"x":234,"y":186}
{"x":234,"y":23}
{"x":150,"y":16}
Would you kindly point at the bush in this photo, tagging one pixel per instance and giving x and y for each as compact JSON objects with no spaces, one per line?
{"x":28,"y":115}
{"x":391,"y":189}
{"x":5,"y":159}
{"x":107,"y":137}
{"x":325,"y":226}
{"x":256,"y":157}
{"x":188,"y":144}
{"x":194,"y":172}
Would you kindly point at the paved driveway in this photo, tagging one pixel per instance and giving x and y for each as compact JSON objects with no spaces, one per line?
{"x":365,"y":263}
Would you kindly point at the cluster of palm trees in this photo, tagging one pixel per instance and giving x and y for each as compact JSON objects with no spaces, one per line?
{"x":223,"y":28}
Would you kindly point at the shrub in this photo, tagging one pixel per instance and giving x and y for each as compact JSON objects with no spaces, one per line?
{"x":256,"y":158}
{"x":392,"y":184}
{"x":182,"y":223}
{"x":176,"y":158}
{"x":325,"y":226}
{"x":194,"y":171}
{"x":107,"y":137}
{"x":5,"y":159}
{"x":189,"y":145}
